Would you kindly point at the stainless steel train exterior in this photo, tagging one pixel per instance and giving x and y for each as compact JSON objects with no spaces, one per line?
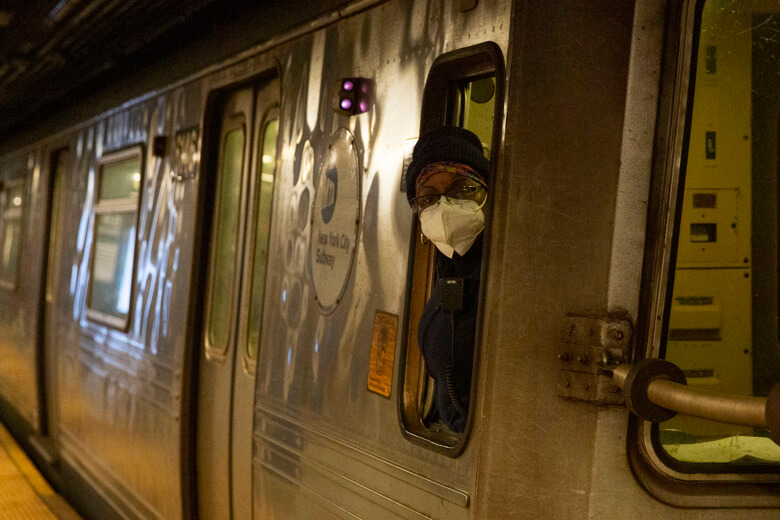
{"x":218,"y":391}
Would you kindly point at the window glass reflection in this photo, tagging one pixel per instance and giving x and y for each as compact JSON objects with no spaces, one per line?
{"x":262,"y":230}
{"x":120,"y":179}
{"x":9,"y":261}
{"x":225,"y":239}
{"x":112,"y":265}
{"x":109,"y":296}
{"x":723,"y":327}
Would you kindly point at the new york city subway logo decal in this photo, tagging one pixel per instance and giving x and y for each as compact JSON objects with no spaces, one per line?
{"x":335,"y":221}
{"x":330,"y":194}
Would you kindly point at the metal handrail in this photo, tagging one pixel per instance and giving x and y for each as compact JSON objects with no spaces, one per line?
{"x":731,"y":409}
{"x":656,"y":390}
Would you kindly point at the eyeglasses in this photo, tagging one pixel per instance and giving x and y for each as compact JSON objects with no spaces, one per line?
{"x":423,"y":202}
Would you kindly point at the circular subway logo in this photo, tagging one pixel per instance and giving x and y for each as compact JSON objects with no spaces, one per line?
{"x":335,"y":220}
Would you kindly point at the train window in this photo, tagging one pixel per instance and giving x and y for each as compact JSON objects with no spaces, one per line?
{"x":264,"y":194}
{"x":464,"y":89}
{"x":721,"y":303}
{"x":226,"y":219}
{"x":113,"y":250}
{"x":11,"y":238}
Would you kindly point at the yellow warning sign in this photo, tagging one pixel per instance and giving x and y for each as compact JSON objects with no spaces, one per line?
{"x":380,"y":370}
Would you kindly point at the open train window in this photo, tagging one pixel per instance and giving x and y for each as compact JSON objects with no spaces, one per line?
{"x":112,"y":266}
{"x":11,"y":237}
{"x":464,"y":88}
{"x":714,"y":309}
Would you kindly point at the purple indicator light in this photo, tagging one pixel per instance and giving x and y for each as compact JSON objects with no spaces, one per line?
{"x":346,"y":104}
{"x":363,"y":106}
{"x":348,"y":85}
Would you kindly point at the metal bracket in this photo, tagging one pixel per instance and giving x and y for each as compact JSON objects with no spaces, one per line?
{"x":589,"y":347}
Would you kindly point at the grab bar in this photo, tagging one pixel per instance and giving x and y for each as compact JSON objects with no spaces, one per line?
{"x":656,"y":390}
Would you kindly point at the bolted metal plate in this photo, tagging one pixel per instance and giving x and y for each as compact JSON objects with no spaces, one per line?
{"x":589,"y":348}
{"x":589,"y":387}
{"x":605,"y":333}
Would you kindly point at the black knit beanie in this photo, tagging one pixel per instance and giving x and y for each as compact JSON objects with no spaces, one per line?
{"x":446,"y":143}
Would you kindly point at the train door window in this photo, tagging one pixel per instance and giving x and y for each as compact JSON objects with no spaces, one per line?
{"x":60,"y":163}
{"x":222,"y":272}
{"x":716,"y":302}
{"x":113,"y":251}
{"x":464,"y":88}
{"x":11,"y":238}
{"x":262,"y":227}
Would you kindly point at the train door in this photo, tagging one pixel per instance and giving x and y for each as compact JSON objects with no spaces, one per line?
{"x":47,"y":349}
{"x":244,"y":182}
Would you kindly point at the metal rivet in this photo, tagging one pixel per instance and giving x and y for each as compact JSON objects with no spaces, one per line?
{"x":583,"y":359}
{"x":618,"y":335}
{"x":563,"y":356}
{"x":566,"y":384}
{"x":615,"y":389}
{"x":590,"y":332}
{"x":572,"y":328}
{"x":587,"y":386}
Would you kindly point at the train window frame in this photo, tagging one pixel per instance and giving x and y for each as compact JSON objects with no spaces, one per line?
{"x":13,"y":214}
{"x":671,"y":481}
{"x":270,"y":115}
{"x":446,"y":76}
{"x":116,"y":206}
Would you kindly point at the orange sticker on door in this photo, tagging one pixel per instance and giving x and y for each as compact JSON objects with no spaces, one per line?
{"x":380,"y":369}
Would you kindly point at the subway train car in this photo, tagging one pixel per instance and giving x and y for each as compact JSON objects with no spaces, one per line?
{"x":210,"y":290}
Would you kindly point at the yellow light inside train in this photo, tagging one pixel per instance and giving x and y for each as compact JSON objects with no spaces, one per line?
{"x":267,"y":159}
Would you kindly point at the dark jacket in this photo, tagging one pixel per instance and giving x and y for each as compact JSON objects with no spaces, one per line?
{"x":435,"y":334}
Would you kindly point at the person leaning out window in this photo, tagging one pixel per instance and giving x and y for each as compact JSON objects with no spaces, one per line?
{"x":447,"y":186}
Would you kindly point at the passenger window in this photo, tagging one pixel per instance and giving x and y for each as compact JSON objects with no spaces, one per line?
{"x":226,"y":219}
{"x":11,"y":239}
{"x":722,"y":317}
{"x":464,"y":89}
{"x":264,"y":195}
{"x":113,"y":252}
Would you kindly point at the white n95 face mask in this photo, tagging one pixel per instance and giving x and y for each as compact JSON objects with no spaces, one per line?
{"x":453,"y":226}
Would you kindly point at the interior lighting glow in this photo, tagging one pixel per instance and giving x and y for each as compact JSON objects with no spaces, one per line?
{"x":267,"y":159}
{"x":137,"y":177}
{"x":363,"y":106}
{"x":5,"y":18}
{"x":17,"y":201}
{"x":348,"y":86}
{"x":346,"y":104}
